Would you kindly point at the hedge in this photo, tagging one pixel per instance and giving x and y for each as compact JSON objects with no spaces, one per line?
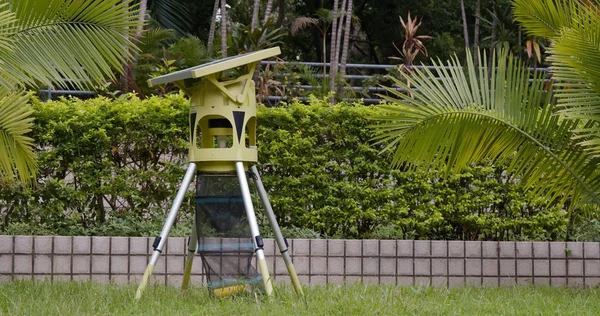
{"x":112,"y":166}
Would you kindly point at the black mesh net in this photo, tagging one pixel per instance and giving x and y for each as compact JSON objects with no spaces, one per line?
{"x":224,"y":238}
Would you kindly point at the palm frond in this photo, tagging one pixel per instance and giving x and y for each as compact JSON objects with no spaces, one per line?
{"x":16,"y":148}
{"x":172,"y":14}
{"x":302,"y":22}
{"x":476,"y":114}
{"x":56,"y":39}
{"x":544,"y":18}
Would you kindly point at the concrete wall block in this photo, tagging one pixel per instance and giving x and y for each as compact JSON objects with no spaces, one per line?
{"x":439,"y":266}
{"x":43,"y":244}
{"x":524,"y":249}
{"x":318,"y":280}
{"x":318,"y":265}
{"x":574,"y":250}
{"x":457,"y":267}
{"x":100,"y":245}
{"x":422,"y":248}
{"x":490,"y":267}
{"x":541,"y":267}
{"x":439,"y":248}
{"x":119,"y":245}
{"x":592,"y":282}
{"x":575,"y":282}
{"x":318,"y":247}
{"x":23,"y":244}
{"x":558,"y":282}
{"x":439,"y":281}
{"x":119,"y":264}
{"x":42,"y":264}
{"x":474,"y":281}
{"x":371,"y":266}
{"x":82,"y":245}
{"x":370,"y":280}
{"x":280,"y":267}
{"x":370,"y":248}
{"x":177,"y":245}
{"x":62,"y":264}
{"x":389,"y":280}
{"x":336,"y":279}
{"x":591,"y":250}
{"x":558,"y":268}
{"x":489,"y":249}
{"x":335,"y":266}
{"x":557,"y":249}
{"x":6,"y":244}
{"x":269,"y":247}
{"x":456,"y":282}
{"x":473,"y":267}
{"x":101,"y":278}
{"x":542,"y":281}
{"x":507,"y":267}
{"x":23,"y":264}
{"x":388,"y":266}
{"x":138,"y":246}
{"x":472,"y":249}
{"x":161,"y":266}
{"x":405,"y":248}
{"x":575,"y":267}
{"x":336,"y":247}
{"x":353,"y":248}
{"x":63,"y":245}
{"x":507,"y":249}
{"x":62,"y":277}
{"x":405,"y":267}
{"x":82,"y":277}
{"x":301,"y":247}
{"x":490,"y":281}
{"x":524,"y":281}
{"x":387,"y":248}
{"x":423,"y":267}
{"x":405,"y":281}
{"x":353,"y":266}
{"x":137,"y":264}
{"x":119,"y":279}
{"x":100,"y":264}
{"x":81,"y":264}
{"x":301,"y":264}
{"x":524,"y":267}
{"x":540,"y":250}
{"x":6,"y":264}
{"x":592,"y":268}
{"x":456,"y":249}
{"x":423,"y":281}
{"x":507,"y":281}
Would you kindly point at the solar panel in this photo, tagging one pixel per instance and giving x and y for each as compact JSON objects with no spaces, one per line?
{"x":215,"y":66}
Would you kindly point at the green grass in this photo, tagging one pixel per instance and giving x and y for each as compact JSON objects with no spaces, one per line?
{"x":72,"y":298}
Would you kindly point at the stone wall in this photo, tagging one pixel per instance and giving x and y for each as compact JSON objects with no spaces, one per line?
{"x":403,"y":262}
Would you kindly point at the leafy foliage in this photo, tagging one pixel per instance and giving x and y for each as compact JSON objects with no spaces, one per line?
{"x":472,"y":115}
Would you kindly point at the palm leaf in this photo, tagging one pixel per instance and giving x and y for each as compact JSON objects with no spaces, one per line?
{"x":16,"y":155}
{"x":84,"y":41}
{"x":544,"y":18}
{"x":477,"y":114}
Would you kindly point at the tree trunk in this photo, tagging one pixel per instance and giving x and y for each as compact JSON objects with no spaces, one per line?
{"x":332,"y":49}
{"x":141,"y":19}
{"x":268,"y":11}
{"x":213,"y":26}
{"x":340,"y":31}
{"x":346,"y":40}
{"x":280,"y":13}
{"x":255,"y":10}
{"x":465,"y":28}
{"x":476,"y":34}
{"x":223,"y":28}
{"x":494,"y":36}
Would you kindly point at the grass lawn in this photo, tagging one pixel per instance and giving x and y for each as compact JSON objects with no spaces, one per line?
{"x":72,"y":298}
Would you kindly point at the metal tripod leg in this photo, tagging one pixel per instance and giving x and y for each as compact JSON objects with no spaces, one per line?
{"x":258,"y":243}
{"x":189,"y":258}
{"x":159,"y":242}
{"x":281,"y":242}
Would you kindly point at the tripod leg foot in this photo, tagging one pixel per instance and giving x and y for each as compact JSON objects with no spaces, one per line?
{"x":145,"y":279}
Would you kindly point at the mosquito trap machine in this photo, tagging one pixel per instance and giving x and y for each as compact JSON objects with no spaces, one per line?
{"x":222,"y":157}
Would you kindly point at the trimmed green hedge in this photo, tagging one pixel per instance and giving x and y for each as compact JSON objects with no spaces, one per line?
{"x":111,"y":167}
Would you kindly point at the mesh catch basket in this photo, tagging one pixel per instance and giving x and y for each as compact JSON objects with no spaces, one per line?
{"x":224,"y":238}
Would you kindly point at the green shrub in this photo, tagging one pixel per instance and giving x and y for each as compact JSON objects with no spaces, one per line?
{"x":112,"y":167}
